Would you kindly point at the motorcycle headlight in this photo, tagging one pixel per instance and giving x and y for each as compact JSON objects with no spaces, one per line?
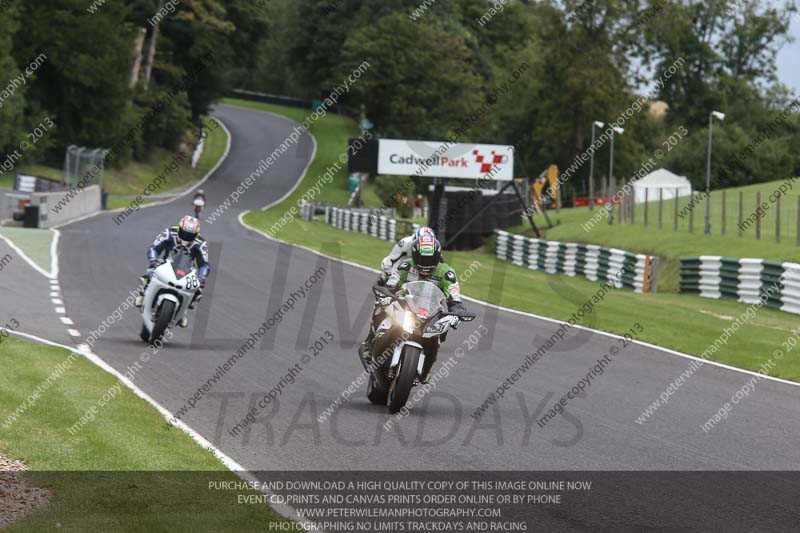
{"x":408,"y":322}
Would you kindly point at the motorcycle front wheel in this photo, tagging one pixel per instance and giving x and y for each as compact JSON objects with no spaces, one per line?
{"x":163,"y":317}
{"x":404,"y":379}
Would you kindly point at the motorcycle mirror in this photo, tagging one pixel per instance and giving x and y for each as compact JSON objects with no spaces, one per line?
{"x":381,"y":291}
{"x":377,"y":289}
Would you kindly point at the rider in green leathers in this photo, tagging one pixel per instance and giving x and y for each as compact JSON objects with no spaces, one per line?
{"x":425,"y":265}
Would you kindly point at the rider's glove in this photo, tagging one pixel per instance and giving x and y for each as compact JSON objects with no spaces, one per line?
{"x":151,"y":269}
{"x":382,"y":279}
{"x":457,"y":308}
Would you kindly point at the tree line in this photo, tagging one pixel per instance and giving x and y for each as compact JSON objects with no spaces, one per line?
{"x":430,"y":69}
{"x":125,"y":75}
{"x":434,"y":65}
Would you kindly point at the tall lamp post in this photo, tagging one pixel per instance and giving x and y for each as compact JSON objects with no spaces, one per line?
{"x":720,"y":116}
{"x":591,"y":167}
{"x":614,"y":129}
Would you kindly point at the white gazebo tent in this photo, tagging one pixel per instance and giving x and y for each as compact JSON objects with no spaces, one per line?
{"x":661,"y":180}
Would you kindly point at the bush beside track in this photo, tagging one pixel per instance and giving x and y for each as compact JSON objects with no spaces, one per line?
{"x":686,"y":324}
{"x":127,"y":470}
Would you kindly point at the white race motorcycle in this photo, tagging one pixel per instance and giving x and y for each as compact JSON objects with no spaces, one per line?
{"x":171,"y":290}
{"x":417,"y":320}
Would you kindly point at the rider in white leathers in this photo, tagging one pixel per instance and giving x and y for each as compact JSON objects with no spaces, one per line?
{"x":400,"y":251}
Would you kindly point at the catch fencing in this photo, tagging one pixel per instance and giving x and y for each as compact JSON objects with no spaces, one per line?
{"x":744,"y":280}
{"x":619,"y":268}
{"x":364,"y":221}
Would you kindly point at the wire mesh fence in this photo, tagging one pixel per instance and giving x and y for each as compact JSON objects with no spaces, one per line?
{"x":84,"y":166}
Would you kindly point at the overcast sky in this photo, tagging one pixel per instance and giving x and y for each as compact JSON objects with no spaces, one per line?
{"x":789,"y":60}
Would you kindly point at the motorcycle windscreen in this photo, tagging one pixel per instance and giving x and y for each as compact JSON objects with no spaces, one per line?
{"x":182,"y":264}
{"x":424,"y":298}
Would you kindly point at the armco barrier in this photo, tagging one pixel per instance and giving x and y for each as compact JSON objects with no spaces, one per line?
{"x":365,"y":222}
{"x":76,"y":203}
{"x":744,"y":280}
{"x":620,"y":268}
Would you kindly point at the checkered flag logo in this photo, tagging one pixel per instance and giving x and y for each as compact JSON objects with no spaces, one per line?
{"x":495,"y":159}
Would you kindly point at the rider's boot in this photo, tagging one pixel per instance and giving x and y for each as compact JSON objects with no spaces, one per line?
{"x":196,"y":298}
{"x":431,"y":353}
{"x":139,"y":300}
{"x":365,"y":350}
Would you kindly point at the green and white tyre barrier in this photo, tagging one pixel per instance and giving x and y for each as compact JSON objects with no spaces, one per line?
{"x":744,"y":280}
{"x":307,"y":211}
{"x":364,"y":221}
{"x":619,"y":268}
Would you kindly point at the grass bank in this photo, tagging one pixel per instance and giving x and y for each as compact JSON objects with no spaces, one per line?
{"x":685,"y":323}
{"x":124,"y":183}
{"x":127,"y":470}
{"x":666,"y":243}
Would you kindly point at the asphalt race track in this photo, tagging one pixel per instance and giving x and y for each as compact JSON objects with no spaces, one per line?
{"x":252,"y":277}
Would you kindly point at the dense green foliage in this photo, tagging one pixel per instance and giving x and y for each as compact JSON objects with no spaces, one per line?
{"x":433,"y":65}
{"x":86,"y":85}
{"x":535,"y":74}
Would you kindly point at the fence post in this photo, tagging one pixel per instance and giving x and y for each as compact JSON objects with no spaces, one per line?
{"x":691,"y":220}
{"x":631,"y":202}
{"x":723,"y":212}
{"x":758,"y":218}
{"x":798,"y":221}
{"x":675,"y":222}
{"x":611,"y":187}
{"x":778,"y":220}
{"x":660,"y":208}
{"x":741,"y":213}
{"x":646,"y":202}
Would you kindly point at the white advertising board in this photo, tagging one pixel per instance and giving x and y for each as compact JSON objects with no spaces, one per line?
{"x":445,"y":159}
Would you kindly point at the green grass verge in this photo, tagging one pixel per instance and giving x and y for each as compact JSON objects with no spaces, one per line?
{"x":34,"y":242}
{"x":685,"y":323}
{"x":127,"y":470}
{"x":135,"y":177}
